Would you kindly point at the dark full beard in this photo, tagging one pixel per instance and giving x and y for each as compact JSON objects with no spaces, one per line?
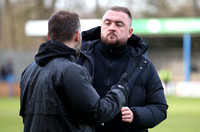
{"x":113,"y":43}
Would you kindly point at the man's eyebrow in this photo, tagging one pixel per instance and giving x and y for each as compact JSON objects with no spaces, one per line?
{"x":116,"y":21}
{"x":107,"y":19}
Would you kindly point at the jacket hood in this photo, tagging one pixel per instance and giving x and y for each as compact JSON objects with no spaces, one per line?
{"x":52,"y":49}
{"x":134,"y":41}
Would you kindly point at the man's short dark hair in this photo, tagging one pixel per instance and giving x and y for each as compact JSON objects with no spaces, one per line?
{"x":123,"y":9}
{"x":63,"y":25}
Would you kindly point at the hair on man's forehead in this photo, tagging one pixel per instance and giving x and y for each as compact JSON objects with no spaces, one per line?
{"x":122,"y":9}
{"x":116,"y":16}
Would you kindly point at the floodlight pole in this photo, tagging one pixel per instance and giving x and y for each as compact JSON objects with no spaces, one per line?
{"x":187,"y":56}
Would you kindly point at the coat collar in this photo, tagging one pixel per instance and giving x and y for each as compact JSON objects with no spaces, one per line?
{"x":52,"y":49}
{"x":91,"y":37}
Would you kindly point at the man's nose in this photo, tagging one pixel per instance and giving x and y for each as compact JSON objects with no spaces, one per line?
{"x":112,"y":27}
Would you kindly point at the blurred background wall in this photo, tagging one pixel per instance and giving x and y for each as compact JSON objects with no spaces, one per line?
{"x":166,"y":50}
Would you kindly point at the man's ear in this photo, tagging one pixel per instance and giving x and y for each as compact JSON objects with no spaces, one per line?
{"x":77,"y":36}
{"x":130,"y":32}
{"x":48,"y":36}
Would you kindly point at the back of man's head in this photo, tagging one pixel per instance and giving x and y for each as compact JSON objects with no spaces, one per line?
{"x":63,"y":25}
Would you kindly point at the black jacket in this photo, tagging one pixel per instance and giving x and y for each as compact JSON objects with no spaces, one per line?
{"x":56,"y":94}
{"x":146,"y":98}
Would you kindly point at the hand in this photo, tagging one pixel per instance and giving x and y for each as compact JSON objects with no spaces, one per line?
{"x":122,"y":85}
{"x":127,"y":115}
{"x":124,"y":81}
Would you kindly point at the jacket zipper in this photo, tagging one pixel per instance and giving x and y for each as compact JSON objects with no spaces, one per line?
{"x":109,"y":73}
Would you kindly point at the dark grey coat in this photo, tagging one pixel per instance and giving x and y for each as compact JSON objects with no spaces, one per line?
{"x":56,"y":94}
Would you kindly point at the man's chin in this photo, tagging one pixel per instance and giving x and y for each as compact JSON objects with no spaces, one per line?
{"x":111,"y":41}
{"x":113,"y":44}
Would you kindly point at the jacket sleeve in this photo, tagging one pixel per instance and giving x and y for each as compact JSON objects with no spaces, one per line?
{"x":86,"y":102}
{"x":155,"y":109}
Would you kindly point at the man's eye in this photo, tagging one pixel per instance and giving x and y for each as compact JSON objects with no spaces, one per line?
{"x":119,"y":24}
{"x":107,"y":23}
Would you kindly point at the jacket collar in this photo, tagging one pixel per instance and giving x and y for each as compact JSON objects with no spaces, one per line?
{"x":116,"y":52}
{"x":91,"y":37}
{"x":52,"y":49}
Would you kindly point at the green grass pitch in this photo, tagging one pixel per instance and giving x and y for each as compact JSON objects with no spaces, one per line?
{"x":183,"y":115}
